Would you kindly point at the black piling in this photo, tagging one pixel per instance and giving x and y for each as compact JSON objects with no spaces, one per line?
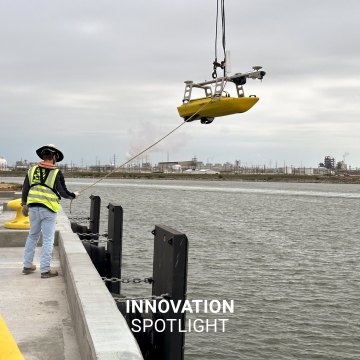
{"x":94,"y":222}
{"x":91,"y":232}
{"x":114,"y":246}
{"x":168,"y":281}
{"x":170,"y":278}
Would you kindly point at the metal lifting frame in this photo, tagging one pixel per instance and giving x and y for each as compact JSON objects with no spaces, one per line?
{"x":240,"y":90}
{"x":189,"y":85}
{"x":220,"y":82}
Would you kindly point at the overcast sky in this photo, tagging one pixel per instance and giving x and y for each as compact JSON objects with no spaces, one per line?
{"x":104,"y":78}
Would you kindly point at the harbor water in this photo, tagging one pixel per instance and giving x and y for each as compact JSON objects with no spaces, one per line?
{"x":287,"y":254}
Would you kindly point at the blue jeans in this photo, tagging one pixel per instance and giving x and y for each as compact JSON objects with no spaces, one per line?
{"x":41,"y":220}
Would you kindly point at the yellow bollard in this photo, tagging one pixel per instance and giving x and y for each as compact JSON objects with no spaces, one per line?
{"x":20,"y":221}
{"x":8,"y":347}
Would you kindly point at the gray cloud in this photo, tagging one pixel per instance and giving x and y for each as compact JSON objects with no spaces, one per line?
{"x":97,"y":77}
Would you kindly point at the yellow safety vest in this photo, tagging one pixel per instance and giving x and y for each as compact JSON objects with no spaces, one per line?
{"x":42,"y":189}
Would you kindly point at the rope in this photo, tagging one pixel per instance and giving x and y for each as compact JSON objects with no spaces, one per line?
{"x":134,"y":157}
{"x":142,"y":151}
{"x":214,"y":75}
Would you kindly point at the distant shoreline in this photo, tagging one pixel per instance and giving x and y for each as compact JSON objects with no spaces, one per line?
{"x":10,"y":187}
{"x":330,"y":179}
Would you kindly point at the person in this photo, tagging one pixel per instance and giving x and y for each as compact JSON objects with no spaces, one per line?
{"x":43,"y":187}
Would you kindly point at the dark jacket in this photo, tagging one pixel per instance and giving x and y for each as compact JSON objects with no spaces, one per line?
{"x":60,"y":188}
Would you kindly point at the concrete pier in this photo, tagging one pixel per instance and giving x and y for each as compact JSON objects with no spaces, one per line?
{"x":69,"y":317}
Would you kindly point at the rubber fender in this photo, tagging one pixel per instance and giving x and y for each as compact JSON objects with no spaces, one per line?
{"x":87,"y":247}
{"x":83,"y":229}
{"x":98,"y":258}
{"x":74,"y":226}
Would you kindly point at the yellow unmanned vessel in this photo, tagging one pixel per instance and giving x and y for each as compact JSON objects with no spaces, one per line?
{"x":220,"y":103}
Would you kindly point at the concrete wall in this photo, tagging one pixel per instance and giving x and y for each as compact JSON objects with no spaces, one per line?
{"x":102,"y":331}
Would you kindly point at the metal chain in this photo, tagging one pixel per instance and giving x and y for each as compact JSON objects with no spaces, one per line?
{"x":78,"y":218}
{"x":152,"y":297}
{"x":148,"y":280}
{"x":92,"y":241}
{"x":92,"y":234}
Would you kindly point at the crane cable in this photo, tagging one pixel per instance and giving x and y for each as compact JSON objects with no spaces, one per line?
{"x":216,"y":64}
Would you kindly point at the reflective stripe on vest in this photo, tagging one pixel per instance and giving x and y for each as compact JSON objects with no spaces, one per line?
{"x":43,"y":192}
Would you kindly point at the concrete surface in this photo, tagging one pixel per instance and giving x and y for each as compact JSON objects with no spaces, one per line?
{"x":36,"y":310}
{"x":72,"y":316}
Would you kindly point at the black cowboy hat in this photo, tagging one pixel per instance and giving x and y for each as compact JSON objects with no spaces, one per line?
{"x":50,"y":148}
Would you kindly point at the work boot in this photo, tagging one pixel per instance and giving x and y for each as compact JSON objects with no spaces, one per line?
{"x":49,"y":274}
{"x":27,"y":271}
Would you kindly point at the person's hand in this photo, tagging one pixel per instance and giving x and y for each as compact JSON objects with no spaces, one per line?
{"x":77,"y":194}
{"x":25,"y":210}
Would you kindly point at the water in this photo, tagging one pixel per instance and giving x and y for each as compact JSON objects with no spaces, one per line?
{"x":287,"y":254}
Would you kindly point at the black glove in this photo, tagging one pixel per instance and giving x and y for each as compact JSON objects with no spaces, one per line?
{"x":25,"y":210}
